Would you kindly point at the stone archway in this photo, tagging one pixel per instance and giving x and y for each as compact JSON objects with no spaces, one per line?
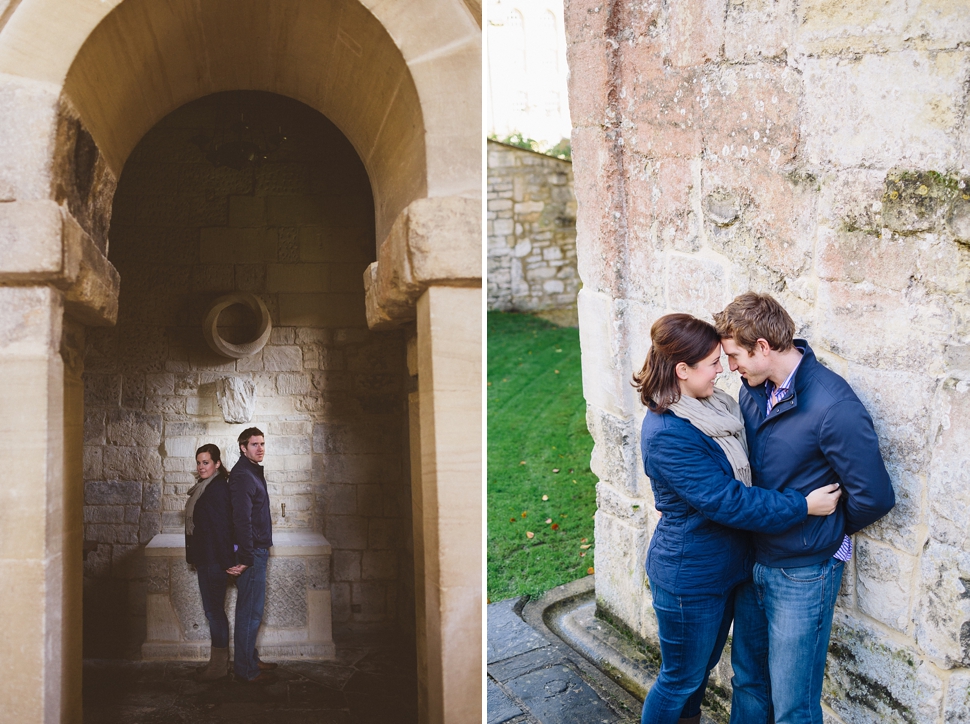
{"x":81,"y":83}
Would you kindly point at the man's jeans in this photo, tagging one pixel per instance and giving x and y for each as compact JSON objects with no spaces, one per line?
{"x":212,"y":585}
{"x":782,"y":622}
{"x":693,"y":629}
{"x":250,"y":599}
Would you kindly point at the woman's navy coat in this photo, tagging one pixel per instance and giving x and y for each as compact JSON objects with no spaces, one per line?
{"x":211,"y":539}
{"x":693,"y":549}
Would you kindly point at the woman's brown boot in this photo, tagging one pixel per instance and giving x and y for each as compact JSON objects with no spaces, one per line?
{"x":218,"y":667}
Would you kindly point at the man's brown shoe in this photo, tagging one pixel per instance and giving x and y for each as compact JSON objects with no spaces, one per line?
{"x":266,"y":665}
{"x":264,"y":678}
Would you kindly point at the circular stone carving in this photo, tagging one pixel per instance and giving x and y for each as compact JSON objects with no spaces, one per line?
{"x":210,"y":327}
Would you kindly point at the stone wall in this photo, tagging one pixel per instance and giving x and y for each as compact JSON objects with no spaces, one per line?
{"x":819,"y":152}
{"x":298,"y":231}
{"x":531,"y":231}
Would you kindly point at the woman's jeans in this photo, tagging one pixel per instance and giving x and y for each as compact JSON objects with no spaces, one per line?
{"x":212,"y":586}
{"x":250,"y":599}
{"x":693,"y":629}
{"x":783,"y":619}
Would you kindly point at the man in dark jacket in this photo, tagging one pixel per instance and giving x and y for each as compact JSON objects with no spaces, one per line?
{"x":253,"y":533}
{"x":806,"y":428}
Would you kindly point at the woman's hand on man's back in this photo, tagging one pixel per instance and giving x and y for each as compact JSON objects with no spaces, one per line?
{"x":823,"y":501}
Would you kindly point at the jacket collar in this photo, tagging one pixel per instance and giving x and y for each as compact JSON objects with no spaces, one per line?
{"x":806,"y":369}
{"x":256,"y":467}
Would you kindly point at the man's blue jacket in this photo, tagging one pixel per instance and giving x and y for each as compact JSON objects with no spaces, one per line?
{"x":820,"y":433}
{"x":251,"y":521}
{"x":693,"y":550}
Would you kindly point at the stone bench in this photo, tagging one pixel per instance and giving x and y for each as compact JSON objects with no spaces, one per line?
{"x":297,"y":619}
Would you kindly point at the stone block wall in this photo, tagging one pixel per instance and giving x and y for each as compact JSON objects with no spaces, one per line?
{"x":531,"y":220}
{"x":298,"y":231}
{"x":819,"y":152}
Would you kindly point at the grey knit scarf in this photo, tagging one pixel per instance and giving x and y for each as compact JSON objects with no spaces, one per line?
{"x":719,"y":417}
{"x":195,"y":492}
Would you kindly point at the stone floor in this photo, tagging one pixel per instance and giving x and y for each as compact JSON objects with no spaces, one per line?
{"x":370,"y":679}
{"x":534,"y":678}
{"x":552,"y":661}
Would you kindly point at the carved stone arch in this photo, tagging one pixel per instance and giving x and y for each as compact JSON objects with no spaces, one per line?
{"x":378,"y":70}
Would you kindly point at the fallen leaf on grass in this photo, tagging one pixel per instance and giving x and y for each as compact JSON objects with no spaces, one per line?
{"x":548,"y":521}
{"x":582,"y":555}
{"x":529,"y":534}
{"x":525,"y":513}
{"x":590,"y":571}
{"x":584,"y":547}
{"x":555,"y":526}
{"x":521,"y":462}
{"x":583,"y":540}
{"x":545,"y":497}
{"x":511,"y":520}
{"x":556,"y":371}
{"x":555,"y":470}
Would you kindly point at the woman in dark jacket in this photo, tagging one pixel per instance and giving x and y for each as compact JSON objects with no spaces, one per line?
{"x":695,"y":454}
{"x":208,"y":546}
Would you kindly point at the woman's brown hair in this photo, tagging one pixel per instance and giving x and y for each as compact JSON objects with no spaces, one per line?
{"x":674,"y":338}
{"x":216,"y":456}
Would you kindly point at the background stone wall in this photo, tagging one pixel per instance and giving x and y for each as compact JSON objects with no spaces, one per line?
{"x":298,"y":231}
{"x":819,"y":152}
{"x":531,"y":222}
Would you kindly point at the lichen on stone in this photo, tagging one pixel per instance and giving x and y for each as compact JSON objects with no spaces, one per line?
{"x":722,"y":207}
{"x":916,"y":201}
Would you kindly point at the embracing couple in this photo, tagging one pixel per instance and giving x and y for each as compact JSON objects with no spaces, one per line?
{"x":757,"y":504}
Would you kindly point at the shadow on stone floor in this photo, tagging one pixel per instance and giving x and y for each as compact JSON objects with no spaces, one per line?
{"x":368,"y":680}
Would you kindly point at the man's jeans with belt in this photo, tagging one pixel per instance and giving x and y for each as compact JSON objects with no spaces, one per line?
{"x":250,"y":599}
{"x":782,"y":622}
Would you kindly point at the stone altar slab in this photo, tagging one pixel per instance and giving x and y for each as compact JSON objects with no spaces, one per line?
{"x":297,"y":622}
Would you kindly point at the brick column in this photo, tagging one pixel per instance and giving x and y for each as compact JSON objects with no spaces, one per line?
{"x":31,"y":507}
{"x":51,"y":275}
{"x":450,"y":384}
{"x":429,"y":273}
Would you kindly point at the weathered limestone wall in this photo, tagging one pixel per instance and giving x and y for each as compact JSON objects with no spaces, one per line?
{"x":531,"y":221}
{"x":819,"y":152}
{"x":330,"y":395}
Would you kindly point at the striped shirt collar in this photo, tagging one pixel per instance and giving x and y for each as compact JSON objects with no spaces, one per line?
{"x":770,"y":389}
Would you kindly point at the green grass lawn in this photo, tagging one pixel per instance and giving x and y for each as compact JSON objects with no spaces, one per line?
{"x":539,"y":480}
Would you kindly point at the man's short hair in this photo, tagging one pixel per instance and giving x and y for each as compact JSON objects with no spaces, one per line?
{"x":752,"y":316}
{"x":249,"y":432}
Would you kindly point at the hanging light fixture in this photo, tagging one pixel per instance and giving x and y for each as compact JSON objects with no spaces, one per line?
{"x":240,"y":145}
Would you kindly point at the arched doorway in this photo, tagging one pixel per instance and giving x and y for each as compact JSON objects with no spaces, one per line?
{"x":84,"y":81}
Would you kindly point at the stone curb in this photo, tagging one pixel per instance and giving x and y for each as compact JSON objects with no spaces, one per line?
{"x":566,"y":615}
{"x":535,"y":678}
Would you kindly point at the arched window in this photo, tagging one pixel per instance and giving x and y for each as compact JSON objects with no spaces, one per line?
{"x":515,"y":30}
{"x":548,"y":39}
